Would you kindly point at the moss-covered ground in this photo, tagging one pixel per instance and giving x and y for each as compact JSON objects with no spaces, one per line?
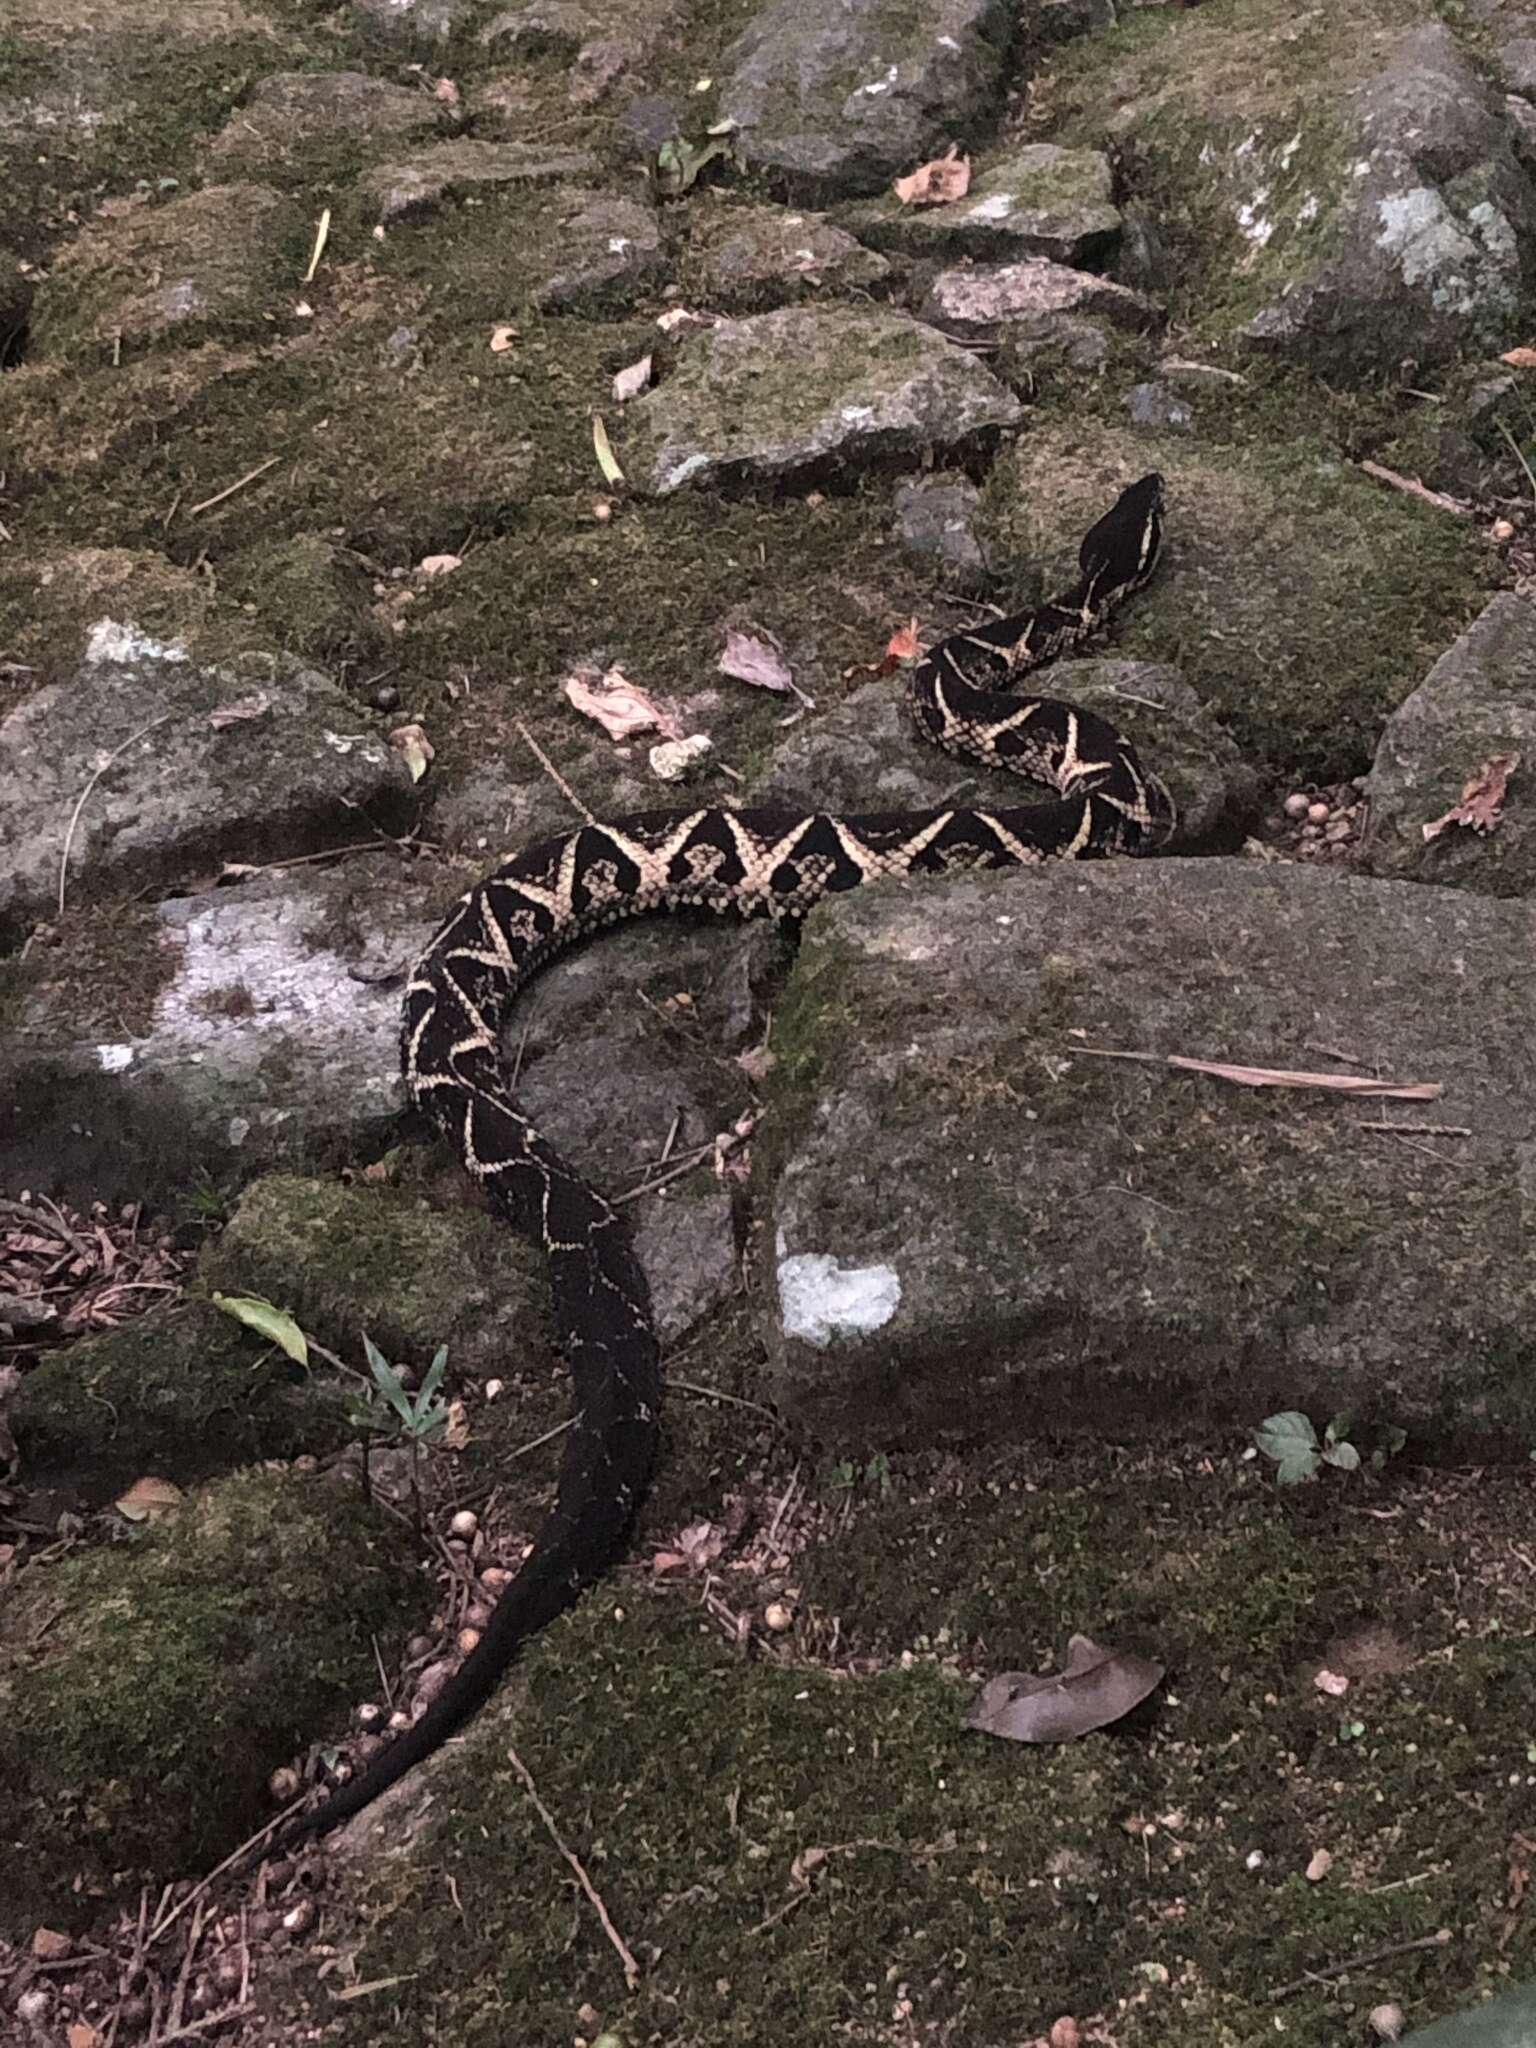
{"x":971,"y":1890}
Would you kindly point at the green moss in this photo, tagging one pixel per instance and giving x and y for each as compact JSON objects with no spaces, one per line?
{"x":993,"y":1886}
{"x":185,"y":1393}
{"x":147,"y":1691}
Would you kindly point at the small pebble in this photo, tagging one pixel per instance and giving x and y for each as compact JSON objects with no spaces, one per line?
{"x":1386,"y":2022}
{"x":778,"y":1617}
{"x":494,"y":1388}
{"x":33,"y":2006}
{"x":1317,"y":813}
{"x":300,"y":1918}
{"x":467,"y":1640}
{"x":464,"y":1524}
{"x":284,"y":1784}
{"x":1297,"y":804}
{"x":399,"y":1722}
{"x":386,"y":698}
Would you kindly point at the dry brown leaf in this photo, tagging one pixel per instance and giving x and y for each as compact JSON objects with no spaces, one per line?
{"x":755,"y":658}
{"x":620,"y":707}
{"x":456,"y":1429}
{"x":1482,"y":794}
{"x":238,"y":709}
{"x":412,"y":744}
{"x":1094,"y":1687}
{"x":439,"y":565}
{"x":1522,"y":358}
{"x":938,"y":183}
{"x":634,"y":378}
{"x":446,"y":92}
{"x":81,"y":2034}
{"x":148,"y":1498}
{"x":1279,"y":1077}
{"x":49,"y":1946}
{"x":502,"y":338}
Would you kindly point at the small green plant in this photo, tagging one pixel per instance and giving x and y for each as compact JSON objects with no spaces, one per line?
{"x":847,"y":1475}
{"x":386,"y":1408}
{"x":1292,"y":1441}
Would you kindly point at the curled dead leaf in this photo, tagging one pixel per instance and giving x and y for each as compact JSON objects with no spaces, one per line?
{"x":414,"y":748}
{"x":1523,"y":358}
{"x":937,"y":183}
{"x":502,"y":337}
{"x":619,"y":706}
{"x":148,"y":1498}
{"x":439,"y":565}
{"x":1481,"y":799}
{"x":238,"y":709}
{"x":634,"y":378}
{"x":758,"y":659}
{"x":1093,"y":1688}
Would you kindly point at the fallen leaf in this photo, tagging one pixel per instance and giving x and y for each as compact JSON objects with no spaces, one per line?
{"x":757,"y":1062}
{"x":671,"y":759}
{"x":753,"y":658}
{"x":81,"y":2034}
{"x":147,"y":1498}
{"x":415,"y":749}
{"x":1319,"y":1867}
{"x":446,"y":92}
{"x":502,"y":338}
{"x":439,"y":565}
{"x":456,"y":1429}
{"x":1522,"y":358}
{"x":1481,"y":796}
{"x":680,"y":316}
{"x":937,"y":183}
{"x":903,"y":646}
{"x":602,"y":448}
{"x":620,"y":707}
{"x":49,"y":1946}
{"x":678,"y":162}
{"x":239,"y":709}
{"x":275,"y":1324}
{"x":634,"y":378}
{"x":1093,"y":1688}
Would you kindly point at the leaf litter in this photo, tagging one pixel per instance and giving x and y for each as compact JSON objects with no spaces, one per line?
{"x":1094,"y":1687}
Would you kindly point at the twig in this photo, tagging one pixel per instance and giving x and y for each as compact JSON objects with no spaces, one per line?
{"x":1415,"y":1130}
{"x":716,"y":1394}
{"x":1358,"y":1085}
{"x":239,"y":484}
{"x":554,"y":774}
{"x":1415,"y":489}
{"x":111,"y":760}
{"x":1438,"y":1939}
{"x":536,"y":1443}
{"x":621,"y":1947}
{"x":206,"y":2025}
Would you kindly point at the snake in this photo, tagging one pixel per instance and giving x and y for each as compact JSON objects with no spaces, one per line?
{"x":962,"y":697}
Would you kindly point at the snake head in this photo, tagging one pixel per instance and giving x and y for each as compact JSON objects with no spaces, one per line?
{"x":1119,"y":553}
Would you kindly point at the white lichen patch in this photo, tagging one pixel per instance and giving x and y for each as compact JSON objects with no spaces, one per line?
{"x":121,"y":641}
{"x":821,"y":1300}
{"x":1461,"y":270}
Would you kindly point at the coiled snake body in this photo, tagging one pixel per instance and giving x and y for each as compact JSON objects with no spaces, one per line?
{"x":750,"y":863}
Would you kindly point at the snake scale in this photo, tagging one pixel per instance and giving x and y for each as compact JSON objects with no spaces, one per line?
{"x":747,"y":863}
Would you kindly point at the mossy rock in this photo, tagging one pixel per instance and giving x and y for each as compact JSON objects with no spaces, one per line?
{"x":148,"y":1690}
{"x":347,"y":1258}
{"x":1303,"y":667}
{"x":183,"y":1394}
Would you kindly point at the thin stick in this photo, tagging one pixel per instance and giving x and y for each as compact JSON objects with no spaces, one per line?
{"x":1414,"y":489}
{"x":621,"y":1947}
{"x":554,"y":775}
{"x":239,"y":484}
{"x":111,"y":760}
{"x":1415,"y":1130}
{"x":717,"y":1394}
{"x":1438,"y":1939}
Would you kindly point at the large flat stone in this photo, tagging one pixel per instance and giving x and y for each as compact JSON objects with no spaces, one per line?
{"x":977,"y":1226}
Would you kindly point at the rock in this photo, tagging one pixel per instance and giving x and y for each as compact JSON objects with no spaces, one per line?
{"x":785,"y":393}
{"x":862,"y":755}
{"x":166,"y":273}
{"x":1039,"y":200}
{"x":750,"y":258}
{"x":290,"y":109}
{"x":839,"y":96}
{"x":412,"y":21}
{"x":1059,"y":21}
{"x":975,"y":1221}
{"x":210,"y":765}
{"x":980,"y":299}
{"x":936,"y":520}
{"x":1429,"y":246}
{"x":1154,"y":405}
{"x":1516,"y":61}
{"x":1479,"y":700}
{"x":448,"y":169}
{"x":149,"y":1689}
{"x":601,"y":42}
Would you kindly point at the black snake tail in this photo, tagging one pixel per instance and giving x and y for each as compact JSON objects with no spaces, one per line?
{"x":752,"y":863}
